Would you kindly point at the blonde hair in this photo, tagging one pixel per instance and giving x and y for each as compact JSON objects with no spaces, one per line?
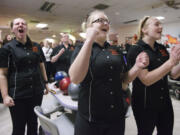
{"x":142,"y":24}
{"x":90,"y":18}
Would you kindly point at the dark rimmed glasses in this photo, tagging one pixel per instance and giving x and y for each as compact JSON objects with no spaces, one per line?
{"x":101,"y":20}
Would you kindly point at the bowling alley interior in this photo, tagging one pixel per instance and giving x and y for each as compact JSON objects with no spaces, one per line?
{"x":49,"y":64}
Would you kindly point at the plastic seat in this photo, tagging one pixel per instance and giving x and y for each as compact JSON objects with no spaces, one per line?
{"x":62,"y":125}
{"x":50,"y":104}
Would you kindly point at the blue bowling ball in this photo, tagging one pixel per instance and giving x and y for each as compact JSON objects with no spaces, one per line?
{"x":59,"y":76}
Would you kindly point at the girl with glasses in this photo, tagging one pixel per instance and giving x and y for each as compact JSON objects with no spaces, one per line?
{"x":103,"y":75}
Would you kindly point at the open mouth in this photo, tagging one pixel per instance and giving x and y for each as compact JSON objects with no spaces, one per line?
{"x":21,"y":31}
{"x":105,"y":30}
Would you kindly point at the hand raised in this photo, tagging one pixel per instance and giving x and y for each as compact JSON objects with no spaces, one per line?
{"x":91,"y":33}
{"x":61,"y":51}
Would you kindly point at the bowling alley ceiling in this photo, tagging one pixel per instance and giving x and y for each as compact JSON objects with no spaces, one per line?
{"x":67,"y":15}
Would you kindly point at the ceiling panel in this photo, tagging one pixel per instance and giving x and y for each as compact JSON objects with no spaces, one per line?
{"x":67,"y":15}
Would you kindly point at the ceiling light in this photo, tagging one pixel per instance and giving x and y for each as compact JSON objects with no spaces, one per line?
{"x":83,"y":35}
{"x":160,"y":17}
{"x":72,"y":38}
{"x":41,"y":25}
{"x":50,"y":40}
{"x":54,"y":36}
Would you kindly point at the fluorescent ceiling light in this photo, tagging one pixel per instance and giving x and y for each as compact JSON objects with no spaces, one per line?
{"x":83,"y":35}
{"x":41,"y":25}
{"x":72,"y":38}
{"x":54,"y":36}
{"x":50,"y":40}
{"x":160,"y":17}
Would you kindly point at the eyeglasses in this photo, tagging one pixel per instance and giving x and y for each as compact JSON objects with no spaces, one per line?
{"x":101,"y":20}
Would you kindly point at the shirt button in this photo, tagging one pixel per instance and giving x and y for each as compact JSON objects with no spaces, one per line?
{"x":27,"y":53}
{"x":103,"y":49}
{"x":159,"y":59}
{"x":111,"y":92}
{"x":107,"y":57}
{"x":161,"y":97}
{"x":112,"y":106}
{"x":29,"y":62}
{"x":162,"y":88}
{"x":110,"y":79}
{"x":111,"y":67}
{"x":25,"y":48}
{"x":31,"y":86}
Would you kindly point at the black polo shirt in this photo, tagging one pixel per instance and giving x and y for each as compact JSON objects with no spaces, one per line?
{"x":100,"y":97}
{"x":155,"y":96}
{"x":24,"y":75}
{"x":63,"y":62}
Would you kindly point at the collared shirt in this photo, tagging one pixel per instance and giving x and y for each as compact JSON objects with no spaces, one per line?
{"x":63,"y":62}
{"x":155,"y":96}
{"x":100,"y":97}
{"x":22,"y":61}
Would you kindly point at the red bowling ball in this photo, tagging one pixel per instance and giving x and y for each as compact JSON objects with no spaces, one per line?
{"x":64,"y":83}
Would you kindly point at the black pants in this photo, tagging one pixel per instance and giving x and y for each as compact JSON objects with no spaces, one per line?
{"x":147,"y":120}
{"x":84,"y":127}
{"x":49,"y":69}
{"x":22,"y":114}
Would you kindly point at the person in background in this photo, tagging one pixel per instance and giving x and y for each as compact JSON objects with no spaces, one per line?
{"x":7,"y":39}
{"x":151,"y":102}
{"x":128,"y":44}
{"x":41,"y":44}
{"x":22,"y":78}
{"x":61,"y":54}
{"x":101,"y":72}
{"x":1,"y":40}
{"x":47,"y":50}
{"x":113,"y":39}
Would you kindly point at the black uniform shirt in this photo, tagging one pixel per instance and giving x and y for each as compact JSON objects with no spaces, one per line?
{"x":63,"y":62}
{"x":24,"y":75}
{"x":100,"y":97}
{"x":155,"y":96}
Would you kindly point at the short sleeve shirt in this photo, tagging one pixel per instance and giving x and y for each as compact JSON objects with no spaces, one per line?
{"x":22,"y":61}
{"x":100,"y":97}
{"x":63,"y":62}
{"x":155,"y":96}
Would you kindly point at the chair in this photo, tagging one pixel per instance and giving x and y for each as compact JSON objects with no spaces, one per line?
{"x":50,"y":105}
{"x":62,"y":125}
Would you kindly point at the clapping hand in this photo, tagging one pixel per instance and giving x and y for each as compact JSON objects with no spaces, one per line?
{"x":175,"y":54}
{"x":142,"y":60}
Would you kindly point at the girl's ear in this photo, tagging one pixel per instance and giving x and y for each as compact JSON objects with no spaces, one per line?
{"x":144,"y":31}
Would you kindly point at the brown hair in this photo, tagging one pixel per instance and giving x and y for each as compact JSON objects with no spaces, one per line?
{"x":12,"y":22}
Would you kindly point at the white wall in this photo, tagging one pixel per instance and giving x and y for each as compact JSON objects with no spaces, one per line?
{"x":127,"y":31}
{"x":171,"y":28}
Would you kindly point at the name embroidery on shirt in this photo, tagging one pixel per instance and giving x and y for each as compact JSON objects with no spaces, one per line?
{"x":34,"y":49}
{"x":163,"y":52}
{"x":113,"y":52}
